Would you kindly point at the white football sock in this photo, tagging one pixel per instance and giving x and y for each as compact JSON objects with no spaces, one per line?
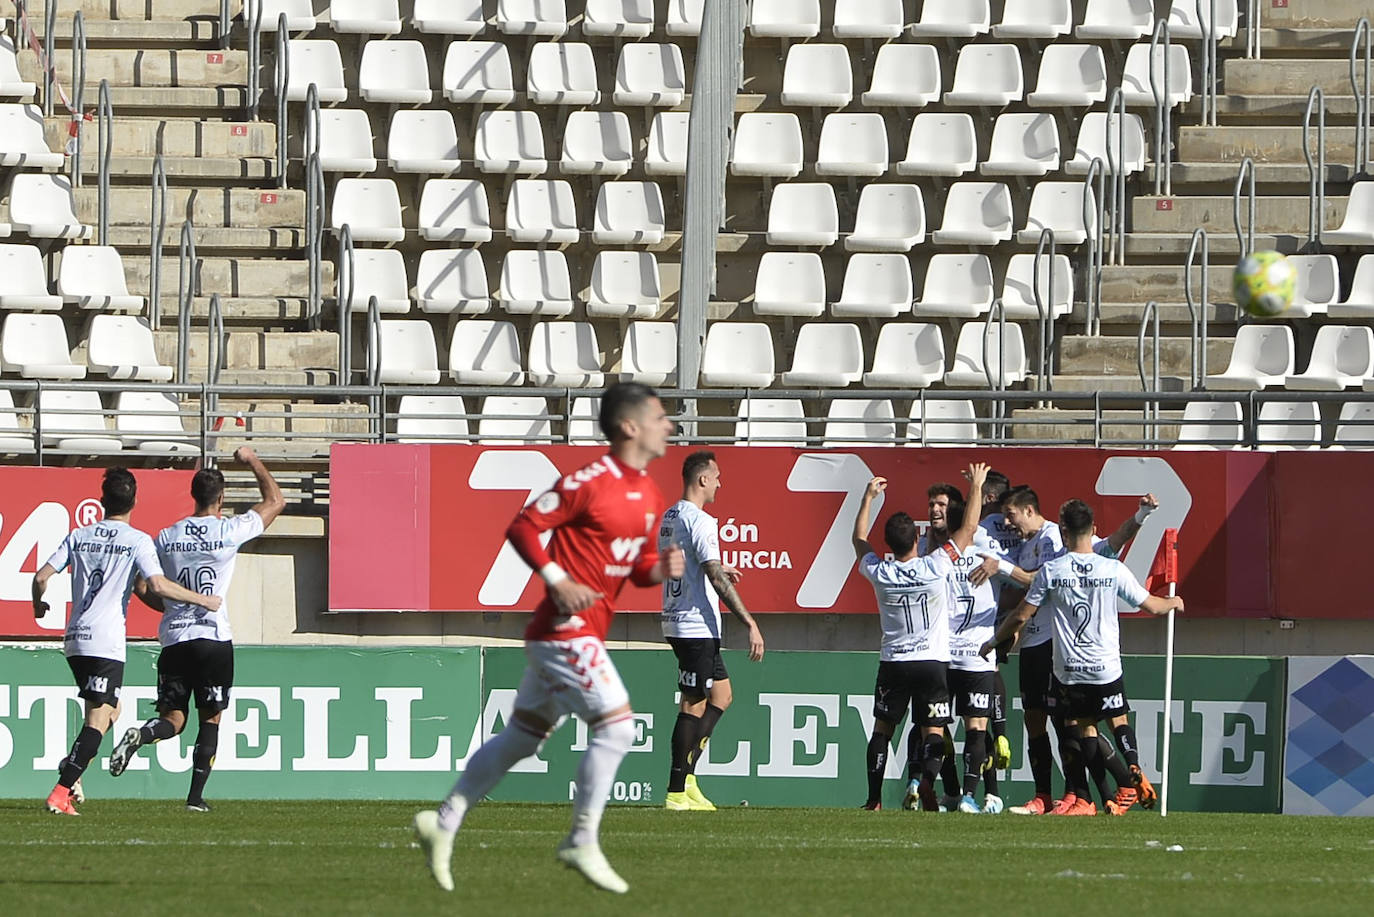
{"x":609,"y":744}
{"x":488,"y":765}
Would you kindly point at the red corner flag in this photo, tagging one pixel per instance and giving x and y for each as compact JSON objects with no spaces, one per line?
{"x":1164,"y":568}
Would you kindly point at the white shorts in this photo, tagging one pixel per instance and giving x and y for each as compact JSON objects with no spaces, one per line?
{"x":570,"y":676}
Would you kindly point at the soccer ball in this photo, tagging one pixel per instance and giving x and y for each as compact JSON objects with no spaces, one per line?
{"x":1264,"y":283}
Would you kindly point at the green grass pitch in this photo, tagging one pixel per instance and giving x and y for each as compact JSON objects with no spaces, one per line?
{"x":334,"y":858}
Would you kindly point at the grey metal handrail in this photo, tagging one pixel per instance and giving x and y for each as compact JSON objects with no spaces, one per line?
{"x":1116,"y":107}
{"x":999,"y":310}
{"x":343,"y":278}
{"x":252,"y":16}
{"x":1164,"y":117}
{"x":1316,"y":174}
{"x":1197,"y":312}
{"x":186,"y":291}
{"x":1362,"y":99}
{"x":78,"y":92}
{"x":310,"y":124}
{"x":1096,"y":240}
{"x":314,"y":232}
{"x":104,"y":148}
{"x":1150,"y":386}
{"x":374,"y":357}
{"x":1245,"y":241}
{"x":49,"y":49}
{"x":157,"y":222}
{"x":225,"y":25}
{"x":281,"y":78}
{"x":1045,"y":372}
{"x":1208,"y":25}
{"x":214,"y":352}
{"x":1252,"y":29}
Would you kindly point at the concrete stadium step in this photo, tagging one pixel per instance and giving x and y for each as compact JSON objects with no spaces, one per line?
{"x":1224,"y":174}
{"x":1223,"y":243}
{"x":171,"y":10}
{"x":1287,"y":76}
{"x":1127,"y":380}
{"x":248,"y":352}
{"x":277,"y":240}
{"x":1324,"y":14}
{"x":1174,"y":318}
{"x":296,"y":415}
{"x":1057,"y":424}
{"x":1303,"y":37}
{"x":1216,"y":214}
{"x":257,"y":311}
{"x":1115,"y":355}
{"x":191,"y":148}
{"x":251,"y":169}
{"x":236,"y":278}
{"x":1263,"y":144}
{"x":146,"y":68}
{"x":1164,"y":282}
{"x":1234,"y":107}
{"x":140,"y":32}
{"x":238,"y":208}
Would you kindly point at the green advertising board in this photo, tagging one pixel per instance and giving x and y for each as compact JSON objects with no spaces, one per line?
{"x":397,"y":723}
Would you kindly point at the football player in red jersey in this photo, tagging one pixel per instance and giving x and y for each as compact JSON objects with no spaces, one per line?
{"x":604,"y":518}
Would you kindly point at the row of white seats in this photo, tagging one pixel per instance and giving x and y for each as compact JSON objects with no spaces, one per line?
{"x":1281,"y":425}
{"x":479,"y":73}
{"x":1264,"y":355}
{"x":613,"y":18}
{"x":909,"y":75}
{"x":75,"y":421}
{"x":43,"y":206}
{"x":1318,"y":288}
{"x":89,"y":276}
{"x":22,"y":144}
{"x":34,"y":345}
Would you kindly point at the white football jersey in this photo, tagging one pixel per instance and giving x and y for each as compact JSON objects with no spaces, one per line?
{"x":912,"y":597}
{"x":972,"y":609}
{"x":1079,"y":592}
{"x":199,"y":553}
{"x":105,"y":558}
{"x":691,"y":608}
{"x":1038,"y":550}
{"x":1007,"y":539}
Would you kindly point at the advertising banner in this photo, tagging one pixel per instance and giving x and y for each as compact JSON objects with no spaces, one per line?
{"x":1329,"y":756}
{"x":326,"y":722}
{"x":434,"y":518}
{"x":39,"y":506}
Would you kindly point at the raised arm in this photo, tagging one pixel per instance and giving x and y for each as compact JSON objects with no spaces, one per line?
{"x":977,"y":475}
{"x":272,"y":503}
{"x":725,"y":588}
{"x":1128,"y":529}
{"x":861,"y":522}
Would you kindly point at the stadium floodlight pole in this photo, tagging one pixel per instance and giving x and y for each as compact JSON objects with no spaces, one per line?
{"x":1170,"y":574}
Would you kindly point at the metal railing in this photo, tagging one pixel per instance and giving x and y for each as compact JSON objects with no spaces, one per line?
{"x":1197,"y":311}
{"x":1316,"y":174}
{"x":343,"y":279}
{"x":1209,"y":61}
{"x":314,"y":237}
{"x":252,"y":16}
{"x":188,"y":270}
{"x":1245,"y":241}
{"x":310,"y":128}
{"x":998,"y":384}
{"x":1252,"y":29}
{"x":157,"y":223}
{"x":374,"y":362}
{"x":226,"y":25}
{"x":214,"y":353}
{"x":1116,"y":108}
{"x":104,"y":149}
{"x":49,"y":49}
{"x":1164,"y":109}
{"x":281,"y":78}
{"x":78,"y":93}
{"x":1096,"y":241}
{"x":1151,"y":408}
{"x":1363,"y":33}
{"x":1045,"y":371}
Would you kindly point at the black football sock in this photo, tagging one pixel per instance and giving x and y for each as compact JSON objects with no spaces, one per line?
{"x":990,"y":775}
{"x":83,"y":750}
{"x":685,"y":732}
{"x":1096,"y":767}
{"x":1041,"y":762}
{"x":877,"y":766}
{"x":1072,"y":761}
{"x":999,"y":706}
{"x":932,"y":759}
{"x":202,"y":760}
{"x":155,"y":730}
{"x":1125,"y":740}
{"x":975,"y":754}
{"x":709,"y":719}
{"x":1114,"y":763}
{"x":949,"y":771}
{"x":914,"y":747}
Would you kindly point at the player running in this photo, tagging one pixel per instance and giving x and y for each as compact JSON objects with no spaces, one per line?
{"x":914,"y":658}
{"x":197,"y":647}
{"x":691,"y":624}
{"x":1079,"y":589}
{"x":603,"y":518}
{"x":105,"y":557}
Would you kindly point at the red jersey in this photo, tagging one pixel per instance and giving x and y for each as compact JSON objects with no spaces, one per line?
{"x":603,"y":519}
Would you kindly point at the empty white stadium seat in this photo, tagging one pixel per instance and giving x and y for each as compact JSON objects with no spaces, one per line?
{"x":14,"y":438}
{"x":300,"y":14}
{"x":92,"y":277}
{"x":941,"y":143}
{"x":379,"y":272}
{"x":904,"y":75}
{"x":875,"y":286}
{"x":317,"y":61}
{"x":1263,"y":355}
{"x":942,"y":422}
{"x":35,"y":346}
{"x":987,"y":76}
{"x":785,"y":18}
{"x":890,"y":218}
{"x":584,"y":421}
{"x":151,"y":422}
{"x":22,"y":143}
{"x":1093,"y":140}
{"x":1034,"y":19}
{"x":597,"y":143}
{"x":953,"y":19}
{"x":540,"y":210}
{"x":1018,"y":289}
{"x":449,"y":17}
{"x":1023,"y":144}
{"x":370,"y":207}
{"x":1342,"y":357}
{"x":667,"y":149}
{"x":818,"y":75}
{"x":650,"y":74}
{"x":24,"y":280}
{"x":790,"y":283}
{"x":43,"y":206}
{"x":478,"y":73}
{"x":536,"y":283}
{"x":1186,"y":22}
{"x":907,"y":355}
{"x":628,"y":213}
{"x":514,"y":420}
{"x":771,"y":422}
{"x":968,"y":369}
{"x":976,"y":213}
{"x":1355,"y":429}
{"x":650,"y":353}
{"x":407,"y":353}
{"x":452,"y":280}
{"x":737,"y":354}
{"x":621,"y":18}
{"x":121,"y":347}
{"x":12,"y":85}
{"x":75,"y":422}
{"x":853,"y":145}
{"x":345,"y":142}
{"x":455,"y":210}
{"x":868,"y":19}
{"x":1124,"y":20}
{"x":1360,"y":301}
{"x":366,"y":17}
{"x":1358,"y":226}
{"x":803,"y":213}
{"x":826,"y":354}
{"x":624,"y":285}
{"x":565,"y":354}
{"x":423,"y":141}
{"x":1285,"y":425}
{"x":1071,"y":76}
{"x":484,"y":352}
{"x":768,"y":145}
{"x":956,"y":285}
{"x":1059,"y":205}
{"x":510,"y":142}
{"x":1219,"y":421}
{"x":684,"y":17}
{"x":562,"y":73}
{"x":858,"y":422}
{"x":431,"y":419}
{"x":1318,"y":285}
{"x":547,"y":18}
{"x":1135,"y":78}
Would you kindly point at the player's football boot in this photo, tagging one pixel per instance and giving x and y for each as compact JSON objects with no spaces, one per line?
{"x":872,"y":807}
{"x":912,"y":800}
{"x":929,"y":801}
{"x":124,"y":752}
{"x":697,"y":800}
{"x":1063,"y":805}
{"x":951,"y":803}
{"x":1080,"y":806}
{"x":1001,"y":753}
{"x":1125,"y":798}
{"x":969,"y":806}
{"x":1039,"y":805}
{"x":78,"y":794}
{"x":60,"y":801}
{"x":591,"y":862}
{"x":437,"y":846}
{"x":677,"y":802}
{"x":199,"y":805}
{"x":1144,"y":788}
{"x":992,"y":805}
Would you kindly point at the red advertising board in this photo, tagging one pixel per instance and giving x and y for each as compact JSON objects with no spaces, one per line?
{"x":39,"y":506}
{"x":422,"y":527}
